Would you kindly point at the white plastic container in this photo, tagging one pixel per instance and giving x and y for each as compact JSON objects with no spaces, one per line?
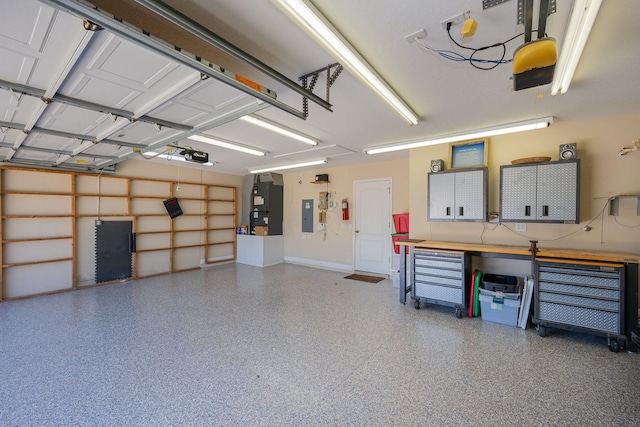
{"x":395,"y":278}
{"x":497,"y":309}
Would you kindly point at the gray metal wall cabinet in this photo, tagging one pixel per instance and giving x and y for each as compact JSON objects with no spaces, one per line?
{"x":540,"y":192}
{"x":458,"y":195}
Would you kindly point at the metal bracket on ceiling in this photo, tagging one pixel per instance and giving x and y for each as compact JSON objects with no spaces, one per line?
{"x":194,"y":28}
{"x":310,"y":85}
{"x":486,"y":4}
{"x":521,"y":15}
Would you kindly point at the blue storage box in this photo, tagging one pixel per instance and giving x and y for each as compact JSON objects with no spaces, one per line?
{"x":497,"y":307}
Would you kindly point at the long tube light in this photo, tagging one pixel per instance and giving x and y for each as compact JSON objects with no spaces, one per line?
{"x":317,"y":26}
{"x":479,"y":133}
{"x":226,"y":144}
{"x":277,"y":128}
{"x":583,"y":15}
{"x":291,"y":166}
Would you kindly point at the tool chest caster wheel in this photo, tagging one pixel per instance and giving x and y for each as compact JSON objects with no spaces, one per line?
{"x":542,"y":330}
{"x":614,"y":345}
{"x":416,"y":304}
{"x":459,"y":313}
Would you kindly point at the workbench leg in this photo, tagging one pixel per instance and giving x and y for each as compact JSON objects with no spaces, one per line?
{"x":403,"y":275}
{"x":631,"y":304}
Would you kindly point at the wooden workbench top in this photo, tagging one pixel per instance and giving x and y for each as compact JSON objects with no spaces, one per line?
{"x":557,"y":253}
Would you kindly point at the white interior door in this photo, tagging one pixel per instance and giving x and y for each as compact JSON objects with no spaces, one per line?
{"x":372,"y":228}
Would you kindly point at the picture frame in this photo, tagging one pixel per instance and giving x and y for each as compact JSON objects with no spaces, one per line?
{"x":469,"y":154}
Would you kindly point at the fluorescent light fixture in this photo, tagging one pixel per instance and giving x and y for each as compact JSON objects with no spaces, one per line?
{"x":292,"y":166}
{"x":478,"y":133}
{"x":226,"y":144}
{"x":277,"y":128}
{"x":581,"y":20}
{"x":317,"y":26}
{"x":177,"y":158}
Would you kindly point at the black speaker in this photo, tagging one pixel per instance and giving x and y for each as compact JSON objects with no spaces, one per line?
{"x":437,"y":165}
{"x":567,"y":151}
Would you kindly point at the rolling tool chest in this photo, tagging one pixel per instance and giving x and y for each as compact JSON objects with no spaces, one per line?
{"x":584,"y":297}
{"x":440,"y":277}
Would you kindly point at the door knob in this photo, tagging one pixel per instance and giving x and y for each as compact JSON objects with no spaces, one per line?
{"x":357,"y":231}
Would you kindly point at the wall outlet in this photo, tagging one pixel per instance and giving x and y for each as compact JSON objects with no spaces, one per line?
{"x":420,"y":34}
{"x":521,"y":226}
{"x":455,"y":20}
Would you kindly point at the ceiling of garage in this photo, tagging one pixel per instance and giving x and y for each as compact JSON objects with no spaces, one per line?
{"x":78,"y":99}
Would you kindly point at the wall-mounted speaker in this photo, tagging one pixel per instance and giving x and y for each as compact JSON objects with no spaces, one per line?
{"x":567,"y":151}
{"x":437,"y":165}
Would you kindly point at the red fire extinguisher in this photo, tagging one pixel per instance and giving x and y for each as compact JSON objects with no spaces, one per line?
{"x":345,"y":209}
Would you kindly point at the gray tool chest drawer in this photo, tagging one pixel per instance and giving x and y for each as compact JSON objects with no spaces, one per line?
{"x":440,"y":278}
{"x":589,"y":298}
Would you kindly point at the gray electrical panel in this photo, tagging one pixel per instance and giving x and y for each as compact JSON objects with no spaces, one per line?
{"x":307,"y":216}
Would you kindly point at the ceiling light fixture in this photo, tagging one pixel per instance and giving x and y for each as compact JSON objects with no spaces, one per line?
{"x":478,"y":133}
{"x":226,"y":144}
{"x":581,"y":20}
{"x":292,"y":166}
{"x":317,"y":26}
{"x":282,"y":130}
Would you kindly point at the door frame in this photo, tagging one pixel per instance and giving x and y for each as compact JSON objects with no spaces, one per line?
{"x":389,"y":180}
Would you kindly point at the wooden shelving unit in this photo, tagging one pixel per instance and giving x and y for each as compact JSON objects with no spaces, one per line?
{"x":47,"y":227}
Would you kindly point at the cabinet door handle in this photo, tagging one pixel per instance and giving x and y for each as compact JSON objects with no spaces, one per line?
{"x":527,"y":210}
{"x":461,"y":211}
{"x":448,"y":210}
{"x":545,"y":210}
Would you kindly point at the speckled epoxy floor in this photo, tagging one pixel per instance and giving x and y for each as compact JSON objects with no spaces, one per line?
{"x":287,"y":345}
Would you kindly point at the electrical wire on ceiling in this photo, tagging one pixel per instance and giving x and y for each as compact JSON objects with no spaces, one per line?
{"x":457,"y":57}
{"x":473,"y":61}
{"x":452,"y":55}
{"x":154,"y":155}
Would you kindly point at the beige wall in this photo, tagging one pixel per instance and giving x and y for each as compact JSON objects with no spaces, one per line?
{"x":334,"y":248}
{"x":603,"y":174}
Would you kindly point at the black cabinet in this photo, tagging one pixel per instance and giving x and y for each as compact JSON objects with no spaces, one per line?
{"x":266,"y":207}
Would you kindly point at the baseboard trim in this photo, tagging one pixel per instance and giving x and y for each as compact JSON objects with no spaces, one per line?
{"x":348,"y":268}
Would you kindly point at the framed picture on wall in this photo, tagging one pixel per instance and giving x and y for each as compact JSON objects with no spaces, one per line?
{"x":468,"y":154}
